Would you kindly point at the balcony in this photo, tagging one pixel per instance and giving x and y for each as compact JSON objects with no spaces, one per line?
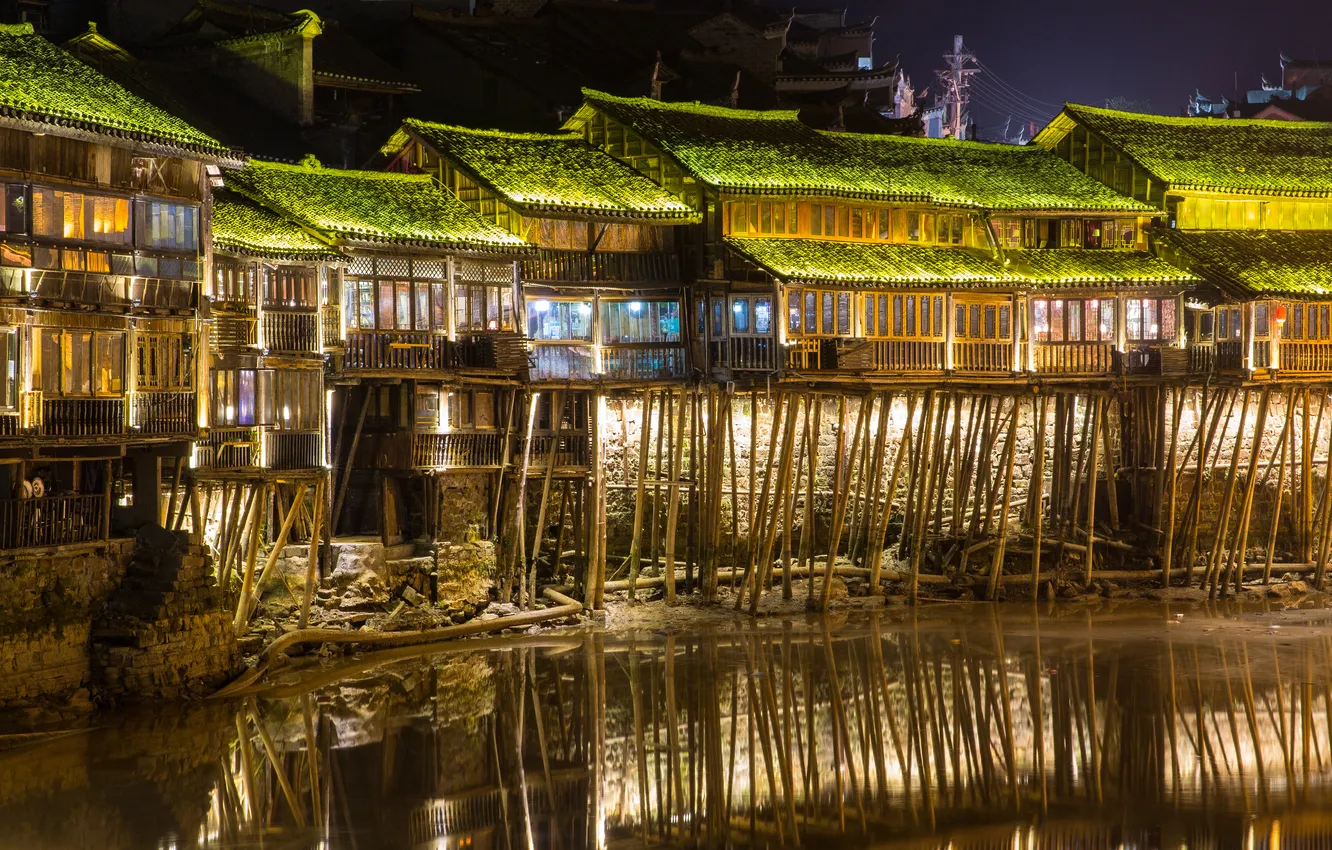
{"x":551,"y":266}
{"x":163,"y":412}
{"x":291,"y":332}
{"x":561,"y":362}
{"x":1229,"y":356}
{"x":228,"y":448}
{"x":150,"y":293}
{"x":234,"y":326}
{"x":397,"y":350}
{"x":51,"y":521}
{"x":83,"y":417}
{"x":293,"y":450}
{"x":1074,"y":358}
{"x":330,"y":316}
{"x":571,"y":450}
{"x":643,"y":362}
{"x":10,"y":424}
{"x":1306,"y":356}
{"x":744,"y":353}
{"x":969,"y":356}
{"x":457,"y":450}
{"x":110,"y":291}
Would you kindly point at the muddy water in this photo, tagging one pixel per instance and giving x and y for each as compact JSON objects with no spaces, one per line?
{"x":959,"y":725}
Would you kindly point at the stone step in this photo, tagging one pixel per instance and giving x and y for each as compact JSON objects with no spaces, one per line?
{"x":400,"y":551}
{"x":296,"y":550}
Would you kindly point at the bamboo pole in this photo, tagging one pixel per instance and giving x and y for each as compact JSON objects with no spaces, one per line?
{"x":1172,"y":482}
{"x":1037,"y":488}
{"x":756,"y":525}
{"x":1281,"y":487}
{"x":520,"y":513}
{"x":918,"y":531}
{"x":312,"y":560}
{"x":1223,"y":518}
{"x":635,"y":541}
{"x":840,"y":491}
{"x":1098,"y":415}
{"x":274,"y":554}
{"x":1246,"y":512}
{"x":779,"y":502}
{"x":997,"y":565}
{"x":673,"y":499}
{"x":252,"y":555}
{"x":903,"y":447}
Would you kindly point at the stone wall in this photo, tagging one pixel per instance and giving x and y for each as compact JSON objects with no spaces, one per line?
{"x":117,"y":621}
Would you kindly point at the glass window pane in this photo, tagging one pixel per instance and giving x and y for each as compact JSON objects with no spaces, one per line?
{"x":844,"y":312}
{"x":740,"y":315}
{"x":793,"y":312}
{"x":762,"y":315}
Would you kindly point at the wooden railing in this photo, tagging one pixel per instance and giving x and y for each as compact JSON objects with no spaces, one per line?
{"x":291,"y":332}
{"x":83,"y":417}
{"x":81,"y":288}
{"x":51,"y":521}
{"x":330,"y":316}
{"x":643,"y":362}
{"x":1229,"y":356}
{"x":561,"y":362}
{"x":570,"y":450}
{"x":11,"y":424}
{"x":1202,"y":358}
{"x":396,"y":350}
{"x":235,"y":330}
{"x":745,"y":353}
{"x":457,"y":450}
{"x":908,"y":355}
{"x":601,"y":267}
{"x":1075,"y":358}
{"x":293,"y":450}
{"x":164,"y":412}
{"x":157,"y":294}
{"x":228,"y":448}
{"x":1306,"y":356}
{"x":970,"y":356}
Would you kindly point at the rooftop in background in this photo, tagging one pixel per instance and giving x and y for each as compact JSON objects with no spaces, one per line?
{"x":548,"y":174}
{"x":1258,"y":262}
{"x":1232,"y":155}
{"x":370,"y":206}
{"x":339,"y":60}
{"x":45,"y":89}
{"x":773,"y":152}
{"x":244,"y":227}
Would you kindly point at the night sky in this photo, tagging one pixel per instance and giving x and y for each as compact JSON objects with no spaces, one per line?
{"x":1074,"y":50}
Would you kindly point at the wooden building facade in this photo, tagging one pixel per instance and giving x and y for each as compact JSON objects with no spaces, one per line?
{"x":103,"y":246}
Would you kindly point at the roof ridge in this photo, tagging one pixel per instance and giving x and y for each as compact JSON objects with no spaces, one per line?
{"x":495,"y":132}
{"x":1185,"y":121}
{"x":695,"y":107}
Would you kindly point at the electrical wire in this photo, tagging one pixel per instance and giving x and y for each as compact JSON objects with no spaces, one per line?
{"x":1014,"y":90}
{"x":989,"y":97}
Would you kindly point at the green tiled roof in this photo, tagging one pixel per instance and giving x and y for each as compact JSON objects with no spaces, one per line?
{"x":867,"y":264}
{"x":1264,"y":262}
{"x":548,"y":173}
{"x":244,"y":227}
{"x":1075,"y":265}
{"x":41,"y":84}
{"x":773,"y":152}
{"x":997,"y":177}
{"x":1228,"y":155}
{"x":369,"y":206}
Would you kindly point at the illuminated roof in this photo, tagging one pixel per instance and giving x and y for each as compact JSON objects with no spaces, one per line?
{"x":371,"y":206}
{"x":243,"y":227}
{"x":1229,"y":155}
{"x":772,"y":152}
{"x":548,"y":173}
{"x":1265,"y":262}
{"x":49,"y":90}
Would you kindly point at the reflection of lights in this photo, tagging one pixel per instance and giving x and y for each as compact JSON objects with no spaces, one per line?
{"x":585,"y":309}
{"x":635,"y":307}
{"x":737,"y":307}
{"x":541,"y":306}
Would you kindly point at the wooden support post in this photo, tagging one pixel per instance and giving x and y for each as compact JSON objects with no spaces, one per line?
{"x":557,"y":402}
{"x":673,"y":499}
{"x":1281,"y":486}
{"x":1172,"y":490}
{"x":506,"y":448}
{"x":918,"y":529}
{"x":839,"y":485}
{"x":312,"y":561}
{"x":251,"y":556}
{"x":276,"y":552}
{"x":520,"y":518}
{"x":903,"y":448}
{"x":106,"y":500}
{"x":1223,"y":519}
{"x":1246,"y":507}
{"x":779,"y":501}
{"x":1034,"y":501}
{"x":351,"y":462}
{"x":756,"y":524}
{"x":635,"y":541}
{"x":997,"y":564}
{"x":1097,"y":416}
{"x":1112,"y":467}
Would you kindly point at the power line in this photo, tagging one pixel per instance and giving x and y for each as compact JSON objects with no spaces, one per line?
{"x":1018,"y":93}
{"x":997,"y":100}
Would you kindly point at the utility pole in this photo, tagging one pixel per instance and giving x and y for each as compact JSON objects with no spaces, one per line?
{"x":955,"y":87}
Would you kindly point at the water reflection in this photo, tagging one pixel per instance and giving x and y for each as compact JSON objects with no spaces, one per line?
{"x":967,"y":728}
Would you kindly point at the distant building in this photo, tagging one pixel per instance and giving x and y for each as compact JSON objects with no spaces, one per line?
{"x":1304,"y":94}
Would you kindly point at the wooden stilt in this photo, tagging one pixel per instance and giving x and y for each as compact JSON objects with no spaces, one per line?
{"x":347,"y":469}
{"x":312,"y":560}
{"x":1036,"y":509}
{"x":1098,"y":416}
{"x":1281,"y":486}
{"x":673,"y":499}
{"x":635,"y":541}
{"x":997,"y":564}
{"x":557,"y":402}
{"x":1223,"y":518}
